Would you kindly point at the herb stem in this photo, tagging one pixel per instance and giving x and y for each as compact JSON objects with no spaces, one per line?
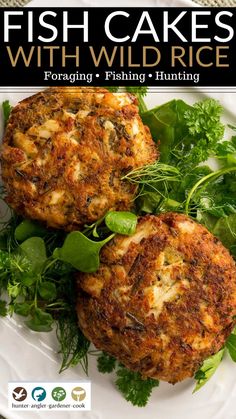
{"x":203,"y":180}
{"x":50,"y":264}
{"x":142,"y":105}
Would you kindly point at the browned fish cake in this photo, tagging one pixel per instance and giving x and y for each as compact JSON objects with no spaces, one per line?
{"x":65,"y":151}
{"x":163,"y":300}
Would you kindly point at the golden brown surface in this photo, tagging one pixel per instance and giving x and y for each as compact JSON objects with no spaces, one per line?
{"x":163,"y":300}
{"x":65,"y":151}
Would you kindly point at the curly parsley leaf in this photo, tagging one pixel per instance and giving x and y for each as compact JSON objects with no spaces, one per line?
{"x":133,"y":387}
{"x":106,"y":363}
{"x":205,"y":129}
{"x":225,"y":148}
{"x":204,"y":119}
{"x":207,"y":369}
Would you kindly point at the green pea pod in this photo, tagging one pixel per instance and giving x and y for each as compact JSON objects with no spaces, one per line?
{"x":81,"y":252}
{"x":122,"y":222}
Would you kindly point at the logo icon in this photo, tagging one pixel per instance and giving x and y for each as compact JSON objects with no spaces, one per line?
{"x":19,"y":394}
{"x":78,"y":394}
{"x":58,"y":394}
{"x":38,"y":394}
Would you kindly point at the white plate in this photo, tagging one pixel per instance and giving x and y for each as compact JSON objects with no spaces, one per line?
{"x":29,"y":356}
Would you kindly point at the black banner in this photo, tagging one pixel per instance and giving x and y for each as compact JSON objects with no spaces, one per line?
{"x":125,"y":46}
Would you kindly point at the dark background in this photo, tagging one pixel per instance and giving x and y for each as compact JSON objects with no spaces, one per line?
{"x":33,"y":76}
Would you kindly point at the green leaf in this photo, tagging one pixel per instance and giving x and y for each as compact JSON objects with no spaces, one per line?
{"x":27,"y":229}
{"x":207,"y":369}
{"x":106,"y":363}
{"x":167,"y":126}
{"x":208,"y":220}
{"x":231,"y":346}
{"x":35,"y":250}
{"x":13,"y":290}
{"x":47,"y":290}
{"x":122,"y":222}
{"x":40,"y":321}
{"x":81,"y":252}
{"x":187,"y":134}
{"x":4,"y":260}
{"x":133,"y":387}
{"x":225,"y":230}
{"x":224,"y":148}
{"x":3,"y":308}
{"x":112,"y":89}
{"x":27,"y":279}
{"x":204,"y":117}
{"x":148,"y":202}
{"x":233,"y":251}
{"x":137,"y":90}
{"x":6,"y":107}
{"x":23,"y":309}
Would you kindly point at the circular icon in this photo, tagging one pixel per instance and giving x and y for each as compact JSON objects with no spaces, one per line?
{"x":19,"y":394}
{"x":58,"y":394}
{"x":78,"y":394}
{"x":38,"y":394}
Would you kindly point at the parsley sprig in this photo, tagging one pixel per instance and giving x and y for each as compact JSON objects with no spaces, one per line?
{"x":132,"y":386}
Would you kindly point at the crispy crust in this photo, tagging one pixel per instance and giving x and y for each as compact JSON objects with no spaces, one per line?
{"x":162,"y":300}
{"x":65,"y":151}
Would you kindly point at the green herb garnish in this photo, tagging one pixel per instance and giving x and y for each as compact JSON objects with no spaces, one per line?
{"x":81,"y":252}
{"x":121,"y":222}
{"x":6,"y":107}
{"x":3,"y":308}
{"x":207,"y":369}
{"x":231,"y":346}
{"x":106,"y":363}
{"x":133,"y":387}
{"x":37,"y":265}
